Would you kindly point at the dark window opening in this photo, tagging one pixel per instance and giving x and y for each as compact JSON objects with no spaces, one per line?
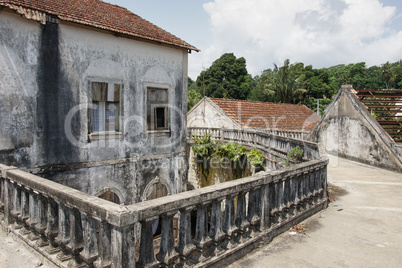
{"x":157,"y":111}
{"x":160,"y":117}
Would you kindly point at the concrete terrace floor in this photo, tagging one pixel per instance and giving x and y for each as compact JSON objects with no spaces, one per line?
{"x":362,"y":227}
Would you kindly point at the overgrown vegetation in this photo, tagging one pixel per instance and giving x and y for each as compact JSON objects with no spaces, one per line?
{"x":206,"y":148}
{"x":296,"y":83}
{"x":294,"y":156}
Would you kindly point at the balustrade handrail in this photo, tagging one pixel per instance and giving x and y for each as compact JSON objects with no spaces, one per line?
{"x":93,"y":205}
{"x":250,"y":131}
{"x":119,"y":215}
{"x":152,"y":208}
{"x":230,"y":216}
{"x":219,"y":134}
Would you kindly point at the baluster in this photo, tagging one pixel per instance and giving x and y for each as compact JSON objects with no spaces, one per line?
{"x":241,"y":216}
{"x":300,"y":192}
{"x":201,"y":239}
{"x":185,"y":246}
{"x":304,"y":190}
{"x":146,"y":246}
{"x":63,"y":233}
{"x":33,"y":215}
{"x":8,"y":203}
{"x":292,"y":196}
{"x":286,"y":197}
{"x":89,"y":241}
{"x":16,"y":200}
{"x":263,"y":210}
{"x":123,"y":246}
{"x":254,"y":206}
{"x":167,"y":254}
{"x":216,"y":232}
{"x":75,"y":244}
{"x":2,"y":183}
{"x":104,"y":244}
{"x":278,"y":201}
{"x":24,"y":216}
{"x":229,"y":226}
{"x":16,"y":211}
{"x":311,"y":187}
{"x":323,"y":185}
{"x":33,"y":212}
{"x":52,"y":227}
{"x":40,"y":227}
{"x":316,"y":193}
{"x":298,"y":197}
{"x":272,"y":203}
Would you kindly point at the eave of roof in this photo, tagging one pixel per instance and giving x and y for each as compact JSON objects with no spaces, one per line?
{"x":101,"y":15}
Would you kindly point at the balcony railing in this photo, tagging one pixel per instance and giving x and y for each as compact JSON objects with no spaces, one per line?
{"x":216,"y":223}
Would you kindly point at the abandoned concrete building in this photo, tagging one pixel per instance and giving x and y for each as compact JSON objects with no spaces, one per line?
{"x":92,"y":96}
{"x":92,"y":109}
{"x":349,"y":130}
{"x":282,"y":119}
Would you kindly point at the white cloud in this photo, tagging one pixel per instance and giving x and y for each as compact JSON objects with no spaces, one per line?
{"x":318,"y":32}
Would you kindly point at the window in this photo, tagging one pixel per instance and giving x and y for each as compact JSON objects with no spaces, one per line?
{"x":157,"y":105}
{"x":106,"y":107}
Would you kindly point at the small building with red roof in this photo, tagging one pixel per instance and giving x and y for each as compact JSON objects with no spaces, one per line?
{"x":266,"y":116}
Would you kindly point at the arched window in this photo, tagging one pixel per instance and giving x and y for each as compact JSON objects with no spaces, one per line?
{"x":155,"y":189}
{"x":110,"y":194}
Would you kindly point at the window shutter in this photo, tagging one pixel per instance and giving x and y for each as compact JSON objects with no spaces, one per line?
{"x":99,"y":91}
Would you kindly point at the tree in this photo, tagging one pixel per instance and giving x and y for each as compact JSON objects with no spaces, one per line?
{"x":388,"y":73}
{"x":193,"y":96}
{"x":285,"y":83}
{"x":227,"y":77}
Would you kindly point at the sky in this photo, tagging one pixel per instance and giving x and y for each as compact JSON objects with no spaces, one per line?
{"x":321,"y":33}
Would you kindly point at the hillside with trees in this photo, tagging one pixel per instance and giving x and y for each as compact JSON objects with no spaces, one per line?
{"x":228,"y":77}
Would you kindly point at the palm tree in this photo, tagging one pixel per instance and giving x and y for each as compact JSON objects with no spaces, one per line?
{"x":286,"y":82}
{"x":388,"y":74}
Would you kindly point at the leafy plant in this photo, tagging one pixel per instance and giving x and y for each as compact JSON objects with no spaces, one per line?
{"x":294,"y":156}
{"x":255,"y":157}
{"x":204,"y":146}
{"x":231,"y":150}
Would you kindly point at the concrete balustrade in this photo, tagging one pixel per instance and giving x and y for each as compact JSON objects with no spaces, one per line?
{"x":276,"y":147}
{"x":217,"y":224}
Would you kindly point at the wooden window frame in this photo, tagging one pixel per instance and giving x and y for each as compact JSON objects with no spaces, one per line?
{"x":103,"y":99}
{"x":151,"y":112}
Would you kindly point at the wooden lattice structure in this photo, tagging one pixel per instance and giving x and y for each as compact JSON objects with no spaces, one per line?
{"x":386,"y":108}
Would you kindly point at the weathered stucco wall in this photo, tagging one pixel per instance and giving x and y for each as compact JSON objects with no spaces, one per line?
{"x":206,"y":114}
{"x":347,"y":129}
{"x":45,"y":95}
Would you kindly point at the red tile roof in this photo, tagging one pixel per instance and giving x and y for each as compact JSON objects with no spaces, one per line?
{"x":101,"y":15}
{"x":269,"y":115}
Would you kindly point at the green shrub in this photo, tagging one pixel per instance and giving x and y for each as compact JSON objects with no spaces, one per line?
{"x":205,"y":147}
{"x":294,"y":156}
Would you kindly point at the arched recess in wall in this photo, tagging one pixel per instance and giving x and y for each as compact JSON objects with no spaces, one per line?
{"x":105,"y":68}
{"x":110,"y":194}
{"x":158,"y":76}
{"x":155,"y":189}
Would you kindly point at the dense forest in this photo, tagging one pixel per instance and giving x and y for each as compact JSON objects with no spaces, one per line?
{"x":228,"y":77}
